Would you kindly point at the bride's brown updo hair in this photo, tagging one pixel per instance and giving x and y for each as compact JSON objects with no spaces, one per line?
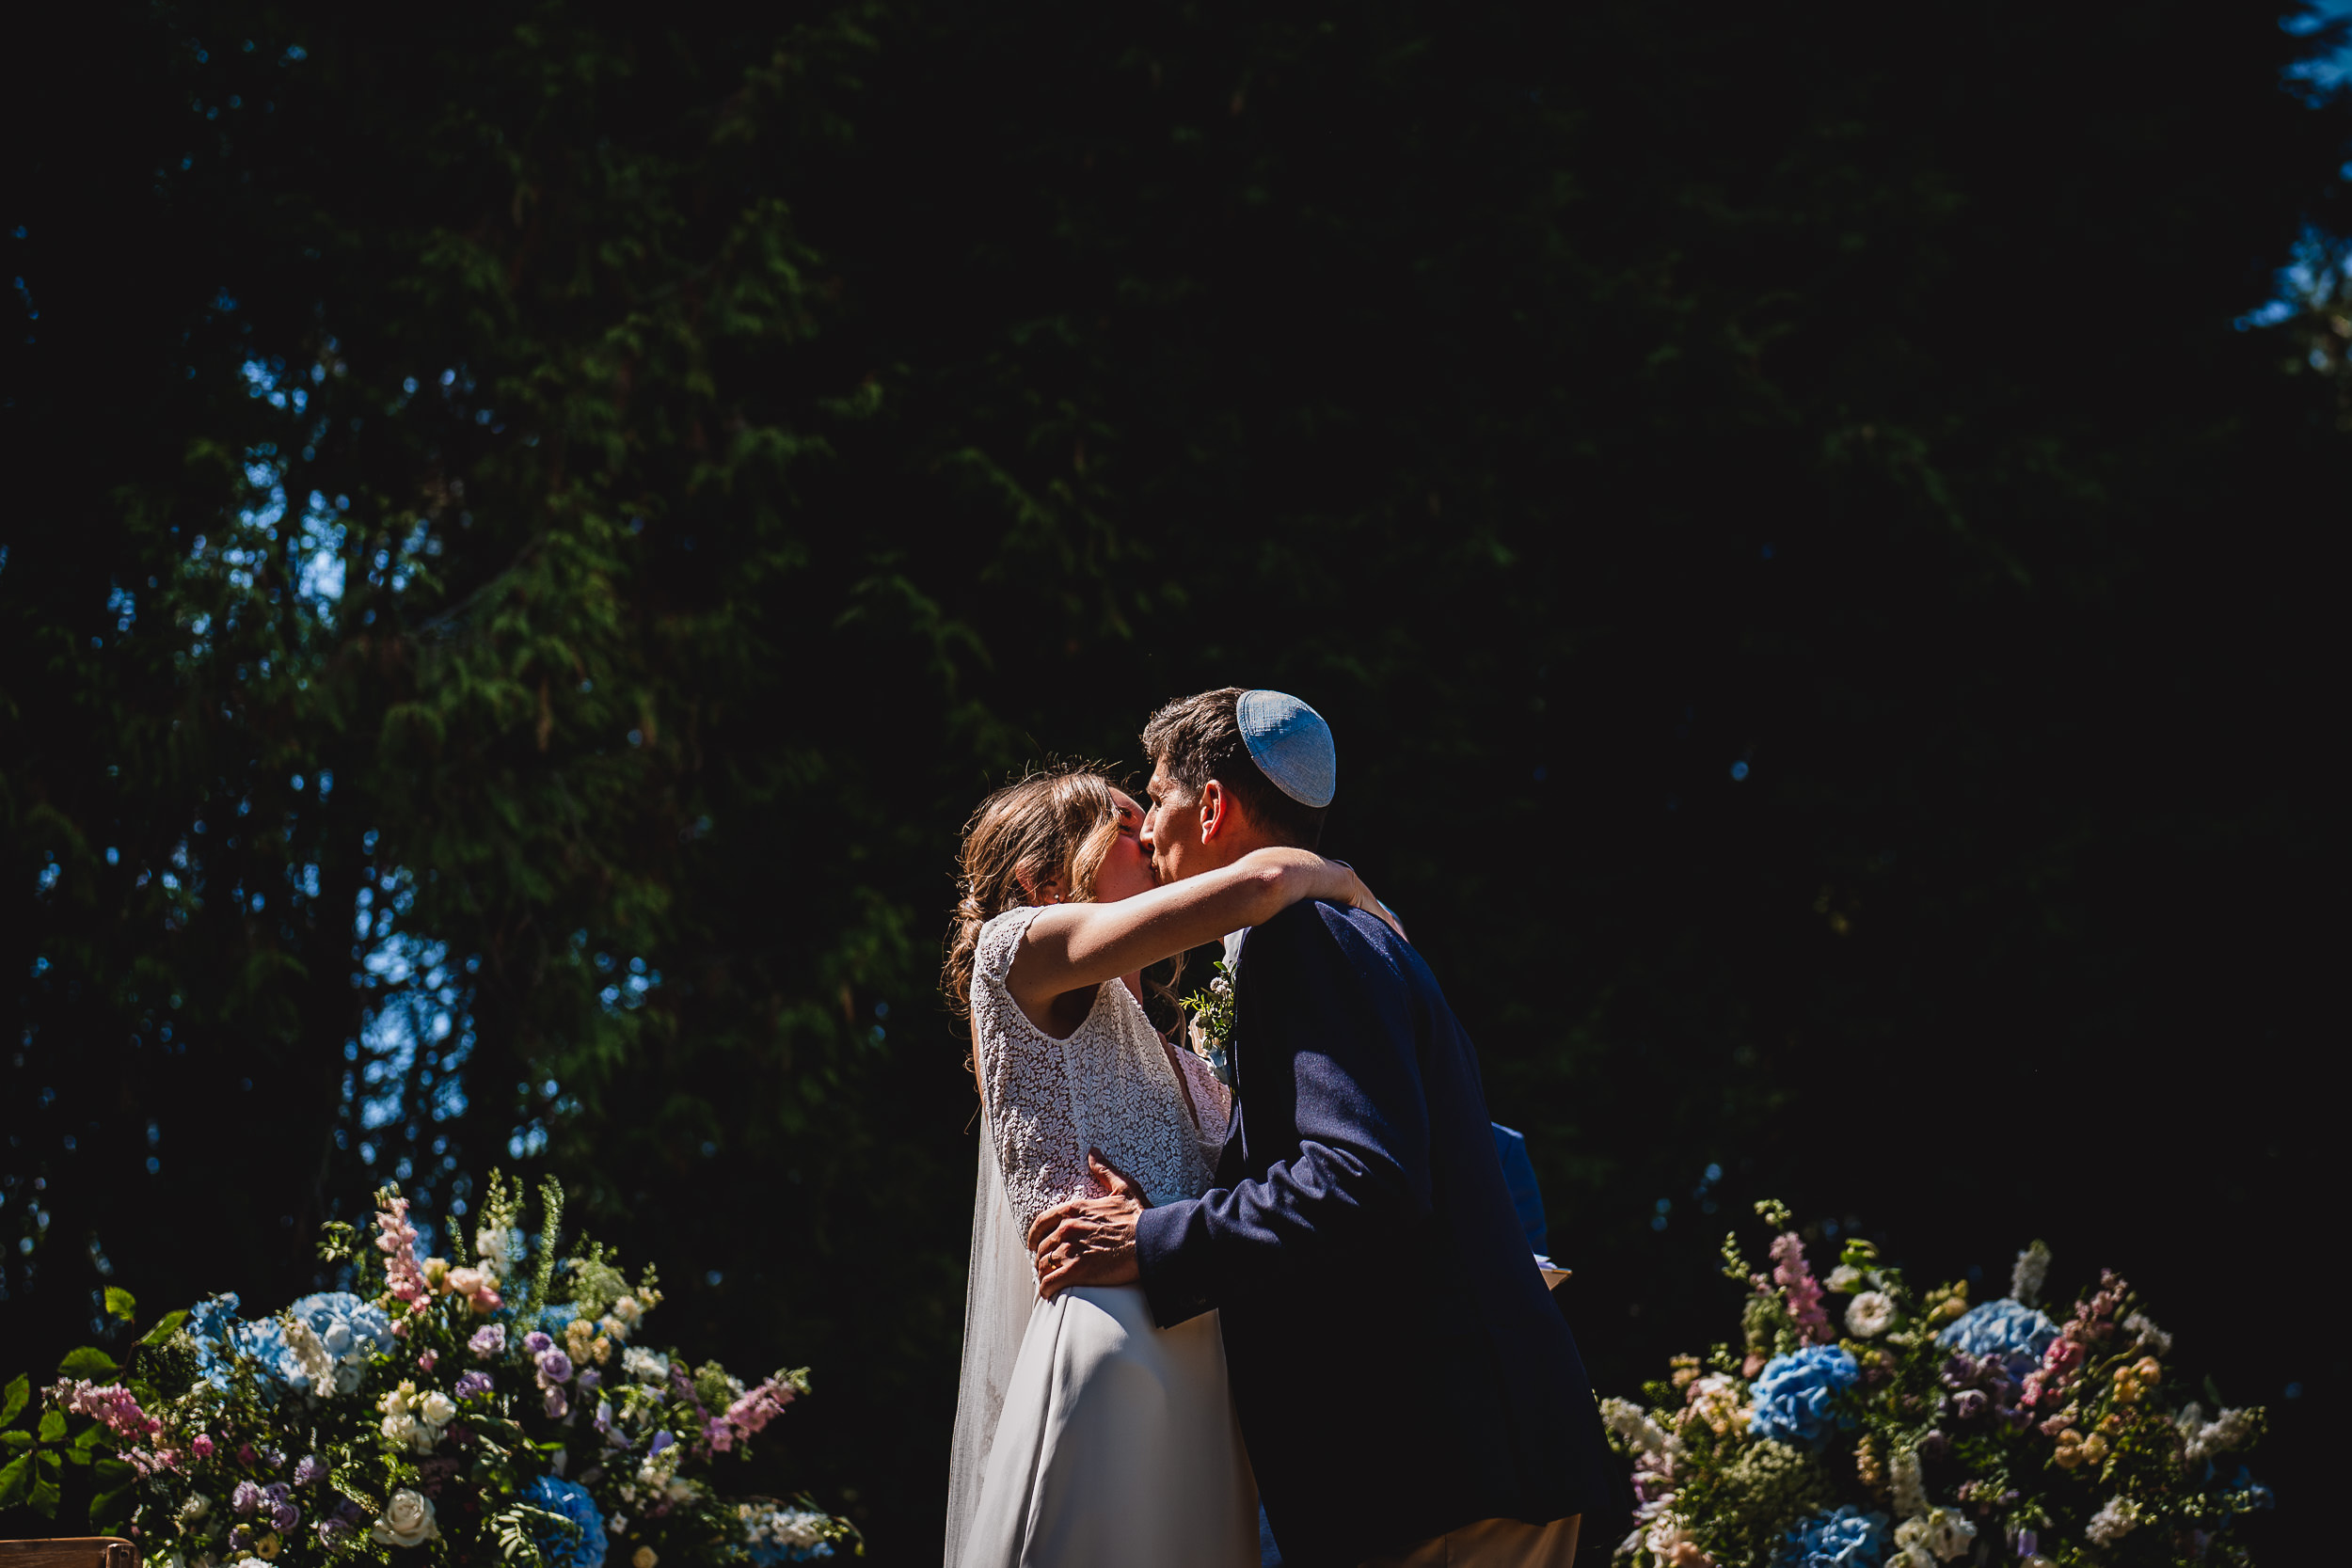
{"x":1059,"y":821}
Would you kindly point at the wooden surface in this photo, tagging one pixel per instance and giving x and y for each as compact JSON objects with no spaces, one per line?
{"x":90,"y":1551}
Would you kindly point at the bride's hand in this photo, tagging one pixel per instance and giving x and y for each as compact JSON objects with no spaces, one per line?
{"x":1361,"y":897}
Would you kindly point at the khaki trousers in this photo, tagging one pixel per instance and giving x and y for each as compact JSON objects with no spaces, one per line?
{"x":1493,"y":1544}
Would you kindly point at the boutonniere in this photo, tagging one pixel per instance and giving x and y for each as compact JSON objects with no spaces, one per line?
{"x":1209,"y":1024}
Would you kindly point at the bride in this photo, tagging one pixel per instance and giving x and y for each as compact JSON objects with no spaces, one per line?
{"x":1085,"y":1435}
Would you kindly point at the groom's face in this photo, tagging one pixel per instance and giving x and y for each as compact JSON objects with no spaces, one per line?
{"x":1181,"y":843}
{"x":1169,"y":826}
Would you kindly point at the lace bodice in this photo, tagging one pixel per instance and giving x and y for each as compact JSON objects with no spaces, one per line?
{"x":1108,"y":1086}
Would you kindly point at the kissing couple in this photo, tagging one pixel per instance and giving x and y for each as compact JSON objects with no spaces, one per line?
{"x":1293,"y":1277}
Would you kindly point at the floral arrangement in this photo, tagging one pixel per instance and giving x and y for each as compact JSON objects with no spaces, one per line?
{"x":1861,"y":1424}
{"x":500,"y":1409}
{"x":1209,"y":1022}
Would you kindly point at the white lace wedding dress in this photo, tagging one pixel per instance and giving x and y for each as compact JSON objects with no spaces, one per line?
{"x":1085,"y":1436}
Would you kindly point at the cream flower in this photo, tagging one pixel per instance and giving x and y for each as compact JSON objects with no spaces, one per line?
{"x":407,"y":1521}
{"x":1870,"y":1314}
{"x":1844,"y":1279}
{"x":644,"y":1557}
{"x":438,"y":1408}
{"x":2113,"y":1522}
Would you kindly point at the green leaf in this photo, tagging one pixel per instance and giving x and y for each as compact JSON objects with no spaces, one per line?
{"x":77,"y":1454}
{"x":164,"y":1330}
{"x":93,"y":1433}
{"x":87,"y":1362}
{"x":12,"y":1399}
{"x":16,"y":1439}
{"x":121,"y":1304}
{"x":110,"y":1506}
{"x":13,"y":1477}
{"x":110,"y":1470}
{"x":52,"y":1425}
{"x":44,"y":1494}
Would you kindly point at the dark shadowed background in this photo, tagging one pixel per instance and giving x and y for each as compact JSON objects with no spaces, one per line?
{"x":530,"y":527}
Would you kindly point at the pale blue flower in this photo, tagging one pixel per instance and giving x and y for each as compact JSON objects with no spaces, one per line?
{"x":1795,"y":1395}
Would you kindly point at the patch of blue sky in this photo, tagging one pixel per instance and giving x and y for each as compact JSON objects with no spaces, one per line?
{"x":2331,"y":69}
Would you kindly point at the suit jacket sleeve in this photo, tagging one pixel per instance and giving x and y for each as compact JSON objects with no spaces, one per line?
{"x":1330,"y":1037}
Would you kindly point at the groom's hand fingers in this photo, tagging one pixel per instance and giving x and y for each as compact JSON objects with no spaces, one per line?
{"x":1048,"y":1221}
{"x":1118,"y":1182}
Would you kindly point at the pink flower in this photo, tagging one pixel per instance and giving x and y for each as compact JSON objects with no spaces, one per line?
{"x":1800,"y":1290}
{"x":721,"y":1436}
{"x":755,"y":1409}
{"x":477,"y":1287}
{"x":426,"y":1361}
{"x":397,"y":1240}
{"x":201,"y":1446}
{"x":111,"y":1405}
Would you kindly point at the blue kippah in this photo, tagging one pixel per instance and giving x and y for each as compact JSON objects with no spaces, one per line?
{"x":1291,"y":744}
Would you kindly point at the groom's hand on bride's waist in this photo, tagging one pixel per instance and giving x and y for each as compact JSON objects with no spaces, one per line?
{"x":1093,"y":1241}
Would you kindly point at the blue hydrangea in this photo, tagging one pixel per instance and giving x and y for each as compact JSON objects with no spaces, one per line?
{"x":353,"y":1331}
{"x":213,"y":1325}
{"x":2005,"y":1330}
{"x":584,"y":1548}
{"x":1795,"y":1393}
{"x":221,"y":1336}
{"x":1842,"y":1538}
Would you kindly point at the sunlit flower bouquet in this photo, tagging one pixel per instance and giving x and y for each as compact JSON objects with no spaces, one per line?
{"x":1863,"y":1425}
{"x":496,"y":1410}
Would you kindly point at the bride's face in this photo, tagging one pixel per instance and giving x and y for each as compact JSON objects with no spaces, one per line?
{"x":1127,"y":869}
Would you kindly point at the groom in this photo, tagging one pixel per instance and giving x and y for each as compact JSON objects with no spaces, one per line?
{"x":1408,"y":1391}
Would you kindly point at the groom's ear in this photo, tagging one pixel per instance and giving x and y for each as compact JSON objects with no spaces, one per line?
{"x":1216,"y":810}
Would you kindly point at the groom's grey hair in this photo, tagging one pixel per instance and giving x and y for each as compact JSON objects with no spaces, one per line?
{"x":1198,"y":738}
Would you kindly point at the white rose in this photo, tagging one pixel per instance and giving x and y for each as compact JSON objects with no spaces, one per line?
{"x":1870,"y":1314}
{"x":439,"y":1408}
{"x":407,"y":1521}
{"x":628,"y":1310}
{"x":399,"y":1428}
{"x":195,"y":1508}
{"x":1844,"y":1279}
{"x":1949,"y":1533}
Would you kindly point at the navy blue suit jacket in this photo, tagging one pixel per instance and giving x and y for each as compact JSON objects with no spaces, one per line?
{"x":1398,"y":1366}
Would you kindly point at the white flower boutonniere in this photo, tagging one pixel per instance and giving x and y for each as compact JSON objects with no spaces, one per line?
{"x":1209,"y":1024}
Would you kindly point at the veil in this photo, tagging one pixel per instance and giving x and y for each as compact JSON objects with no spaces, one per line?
{"x":999,"y":1293}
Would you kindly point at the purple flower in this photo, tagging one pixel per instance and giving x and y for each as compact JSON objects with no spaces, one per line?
{"x":1969,"y":1404}
{"x":489,"y":1340}
{"x":589,"y":1378}
{"x":310,"y":1468}
{"x":285,"y":1516}
{"x":241,"y":1539}
{"x":470,"y":1385}
{"x":2028,"y":1544}
{"x":277,"y":1492}
{"x":604,"y":1417}
{"x":661,"y":1441}
{"x":558,"y":1406}
{"x":554,"y":1368}
{"x":1932,"y":1445}
{"x":536,"y":1343}
{"x":245,"y":1498}
{"x":333,"y":1533}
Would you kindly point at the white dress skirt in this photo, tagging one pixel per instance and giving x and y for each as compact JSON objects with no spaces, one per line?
{"x":1118,"y":1445}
